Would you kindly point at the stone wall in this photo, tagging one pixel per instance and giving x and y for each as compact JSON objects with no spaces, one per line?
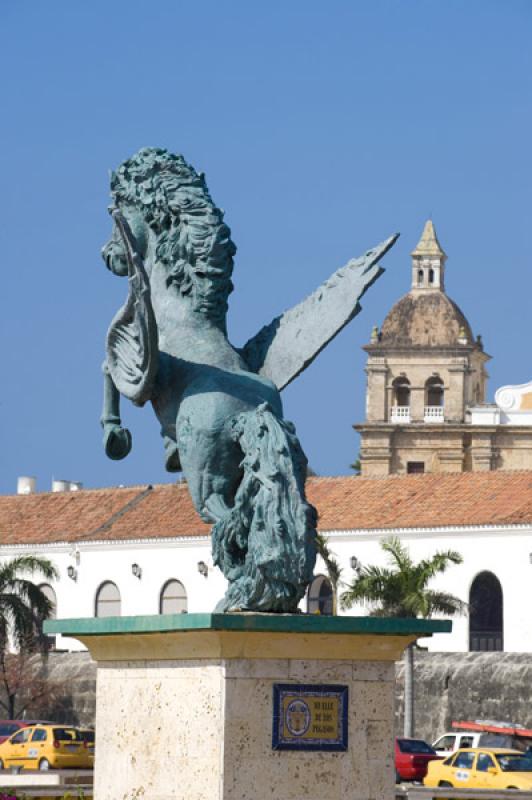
{"x":75,"y":674}
{"x":67,"y":683}
{"x":447,"y":686}
{"x":466,"y":686}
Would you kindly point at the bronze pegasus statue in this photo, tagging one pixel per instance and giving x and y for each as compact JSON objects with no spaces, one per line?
{"x":219,"y":406}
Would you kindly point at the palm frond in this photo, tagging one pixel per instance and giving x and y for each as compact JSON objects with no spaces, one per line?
{"x":400,"y":590}
{"x":332,"y":565}
{"x":23,"y":605}
{"x":445,"y":603}
{"x":19,"y":618}
{"x":439,"y":562}
{"x":21,"y":566}
{"x":398,"y":552}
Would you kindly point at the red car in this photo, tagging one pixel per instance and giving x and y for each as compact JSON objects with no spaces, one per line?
{"x":9,"y":726}
{"x":411,"y":759}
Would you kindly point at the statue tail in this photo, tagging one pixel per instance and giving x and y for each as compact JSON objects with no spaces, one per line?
{"x":266,"y":544}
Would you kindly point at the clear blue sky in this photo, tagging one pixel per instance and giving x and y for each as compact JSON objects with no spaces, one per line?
{"x":323,"y":127}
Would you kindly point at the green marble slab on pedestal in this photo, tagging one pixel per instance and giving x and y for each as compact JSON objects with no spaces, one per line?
{"x":273,"y":623}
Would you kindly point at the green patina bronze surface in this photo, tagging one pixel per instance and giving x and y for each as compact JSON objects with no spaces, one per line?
{"x":278,"y":623}
{"x":219,"y":406}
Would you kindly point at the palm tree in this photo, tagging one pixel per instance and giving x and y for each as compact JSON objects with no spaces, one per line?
{"x":332,"y":567}
{"x":23,"y":608}
{"x":401,"y":590}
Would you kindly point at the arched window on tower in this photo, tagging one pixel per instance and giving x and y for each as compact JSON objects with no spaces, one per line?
{"x":431,"y":277}
{"x":173,"y":599}
{"x":434,"y":396}
{"x":434,"y":391}
{"x":108,"y":603}
{"x":485,"y":613}
{"x":420,"y":276}
{"x":401,"y":391}
{"x":400,"y":411}
{"x":320,"y":596}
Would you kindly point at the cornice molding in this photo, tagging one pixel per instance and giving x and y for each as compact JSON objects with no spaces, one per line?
{"x":360,"y":534}
{"x":355,"y":533}
{"x":98,"y":544}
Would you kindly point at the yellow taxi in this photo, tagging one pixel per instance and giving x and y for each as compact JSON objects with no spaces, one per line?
{"x":45,"y":747}
{"x":89,"y":740}
{"x":482,"y":768}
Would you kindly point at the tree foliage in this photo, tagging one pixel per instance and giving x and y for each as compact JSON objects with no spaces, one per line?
{"x":356,"y":466}
{"x":332,"y":566}
{"x":23,"y":608}
{"x":25,"y":684}
{"x":401,"y":589}
{"x":23,"y":605}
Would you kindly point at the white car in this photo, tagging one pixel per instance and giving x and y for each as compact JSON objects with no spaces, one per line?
{"x":450,"y":742}
{"x":458,"y":740}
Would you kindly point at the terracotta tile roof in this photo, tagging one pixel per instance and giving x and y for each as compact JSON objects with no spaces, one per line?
{"x":135,"y":512}
{"x":423,"y":501}
{"x":344,"y":503}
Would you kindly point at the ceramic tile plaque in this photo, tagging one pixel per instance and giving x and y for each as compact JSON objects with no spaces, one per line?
{"x":309,"y":716}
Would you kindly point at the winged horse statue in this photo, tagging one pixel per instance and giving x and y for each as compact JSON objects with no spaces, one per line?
{"x":219,"y":406}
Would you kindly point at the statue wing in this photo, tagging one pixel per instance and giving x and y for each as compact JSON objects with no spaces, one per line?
{"x":132,"y":341}
{"x":284,"y":348}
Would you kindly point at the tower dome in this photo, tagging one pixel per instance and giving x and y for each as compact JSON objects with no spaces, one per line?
{"x":426,"y":317}
{"x":430,"y":319}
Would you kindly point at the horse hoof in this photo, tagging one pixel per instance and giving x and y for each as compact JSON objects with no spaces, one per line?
{"x":117,"y":442}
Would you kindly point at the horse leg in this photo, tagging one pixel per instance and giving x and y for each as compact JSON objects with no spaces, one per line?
{"x":210,"y":461}
{"x":116,"y":440}
{"x":172,"y":462}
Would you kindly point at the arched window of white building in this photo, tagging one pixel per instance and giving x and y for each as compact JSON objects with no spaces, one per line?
{"x":108,"y":603}
{"x":173,"y":599}
{"x":485,"y":613}
{"x":320,"y":596}
{"x":50,"y":595}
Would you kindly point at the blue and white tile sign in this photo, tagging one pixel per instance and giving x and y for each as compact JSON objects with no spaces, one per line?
{"x":310,"y":717}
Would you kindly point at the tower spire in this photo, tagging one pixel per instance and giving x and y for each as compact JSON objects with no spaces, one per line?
{"x":428,"y":261}
{"x":429,"y":245}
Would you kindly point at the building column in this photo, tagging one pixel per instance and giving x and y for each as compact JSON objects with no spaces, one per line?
{"x":376,"y":400}
{"x":375,"y":453}
{"x":482,"y":451}
{"x":454,"y":399}
{"x":417,"y":403}
{"x":451,"y":460}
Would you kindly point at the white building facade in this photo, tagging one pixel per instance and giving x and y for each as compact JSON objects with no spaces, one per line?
{"x":150,"y":553}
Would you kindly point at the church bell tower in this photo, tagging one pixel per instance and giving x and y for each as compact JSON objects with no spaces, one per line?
{"x":424,"y":371}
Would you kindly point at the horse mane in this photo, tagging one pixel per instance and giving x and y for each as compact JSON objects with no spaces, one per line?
{"x":192,"y":241}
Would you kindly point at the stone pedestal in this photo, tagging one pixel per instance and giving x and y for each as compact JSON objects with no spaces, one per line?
{"x":185,"y":704}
